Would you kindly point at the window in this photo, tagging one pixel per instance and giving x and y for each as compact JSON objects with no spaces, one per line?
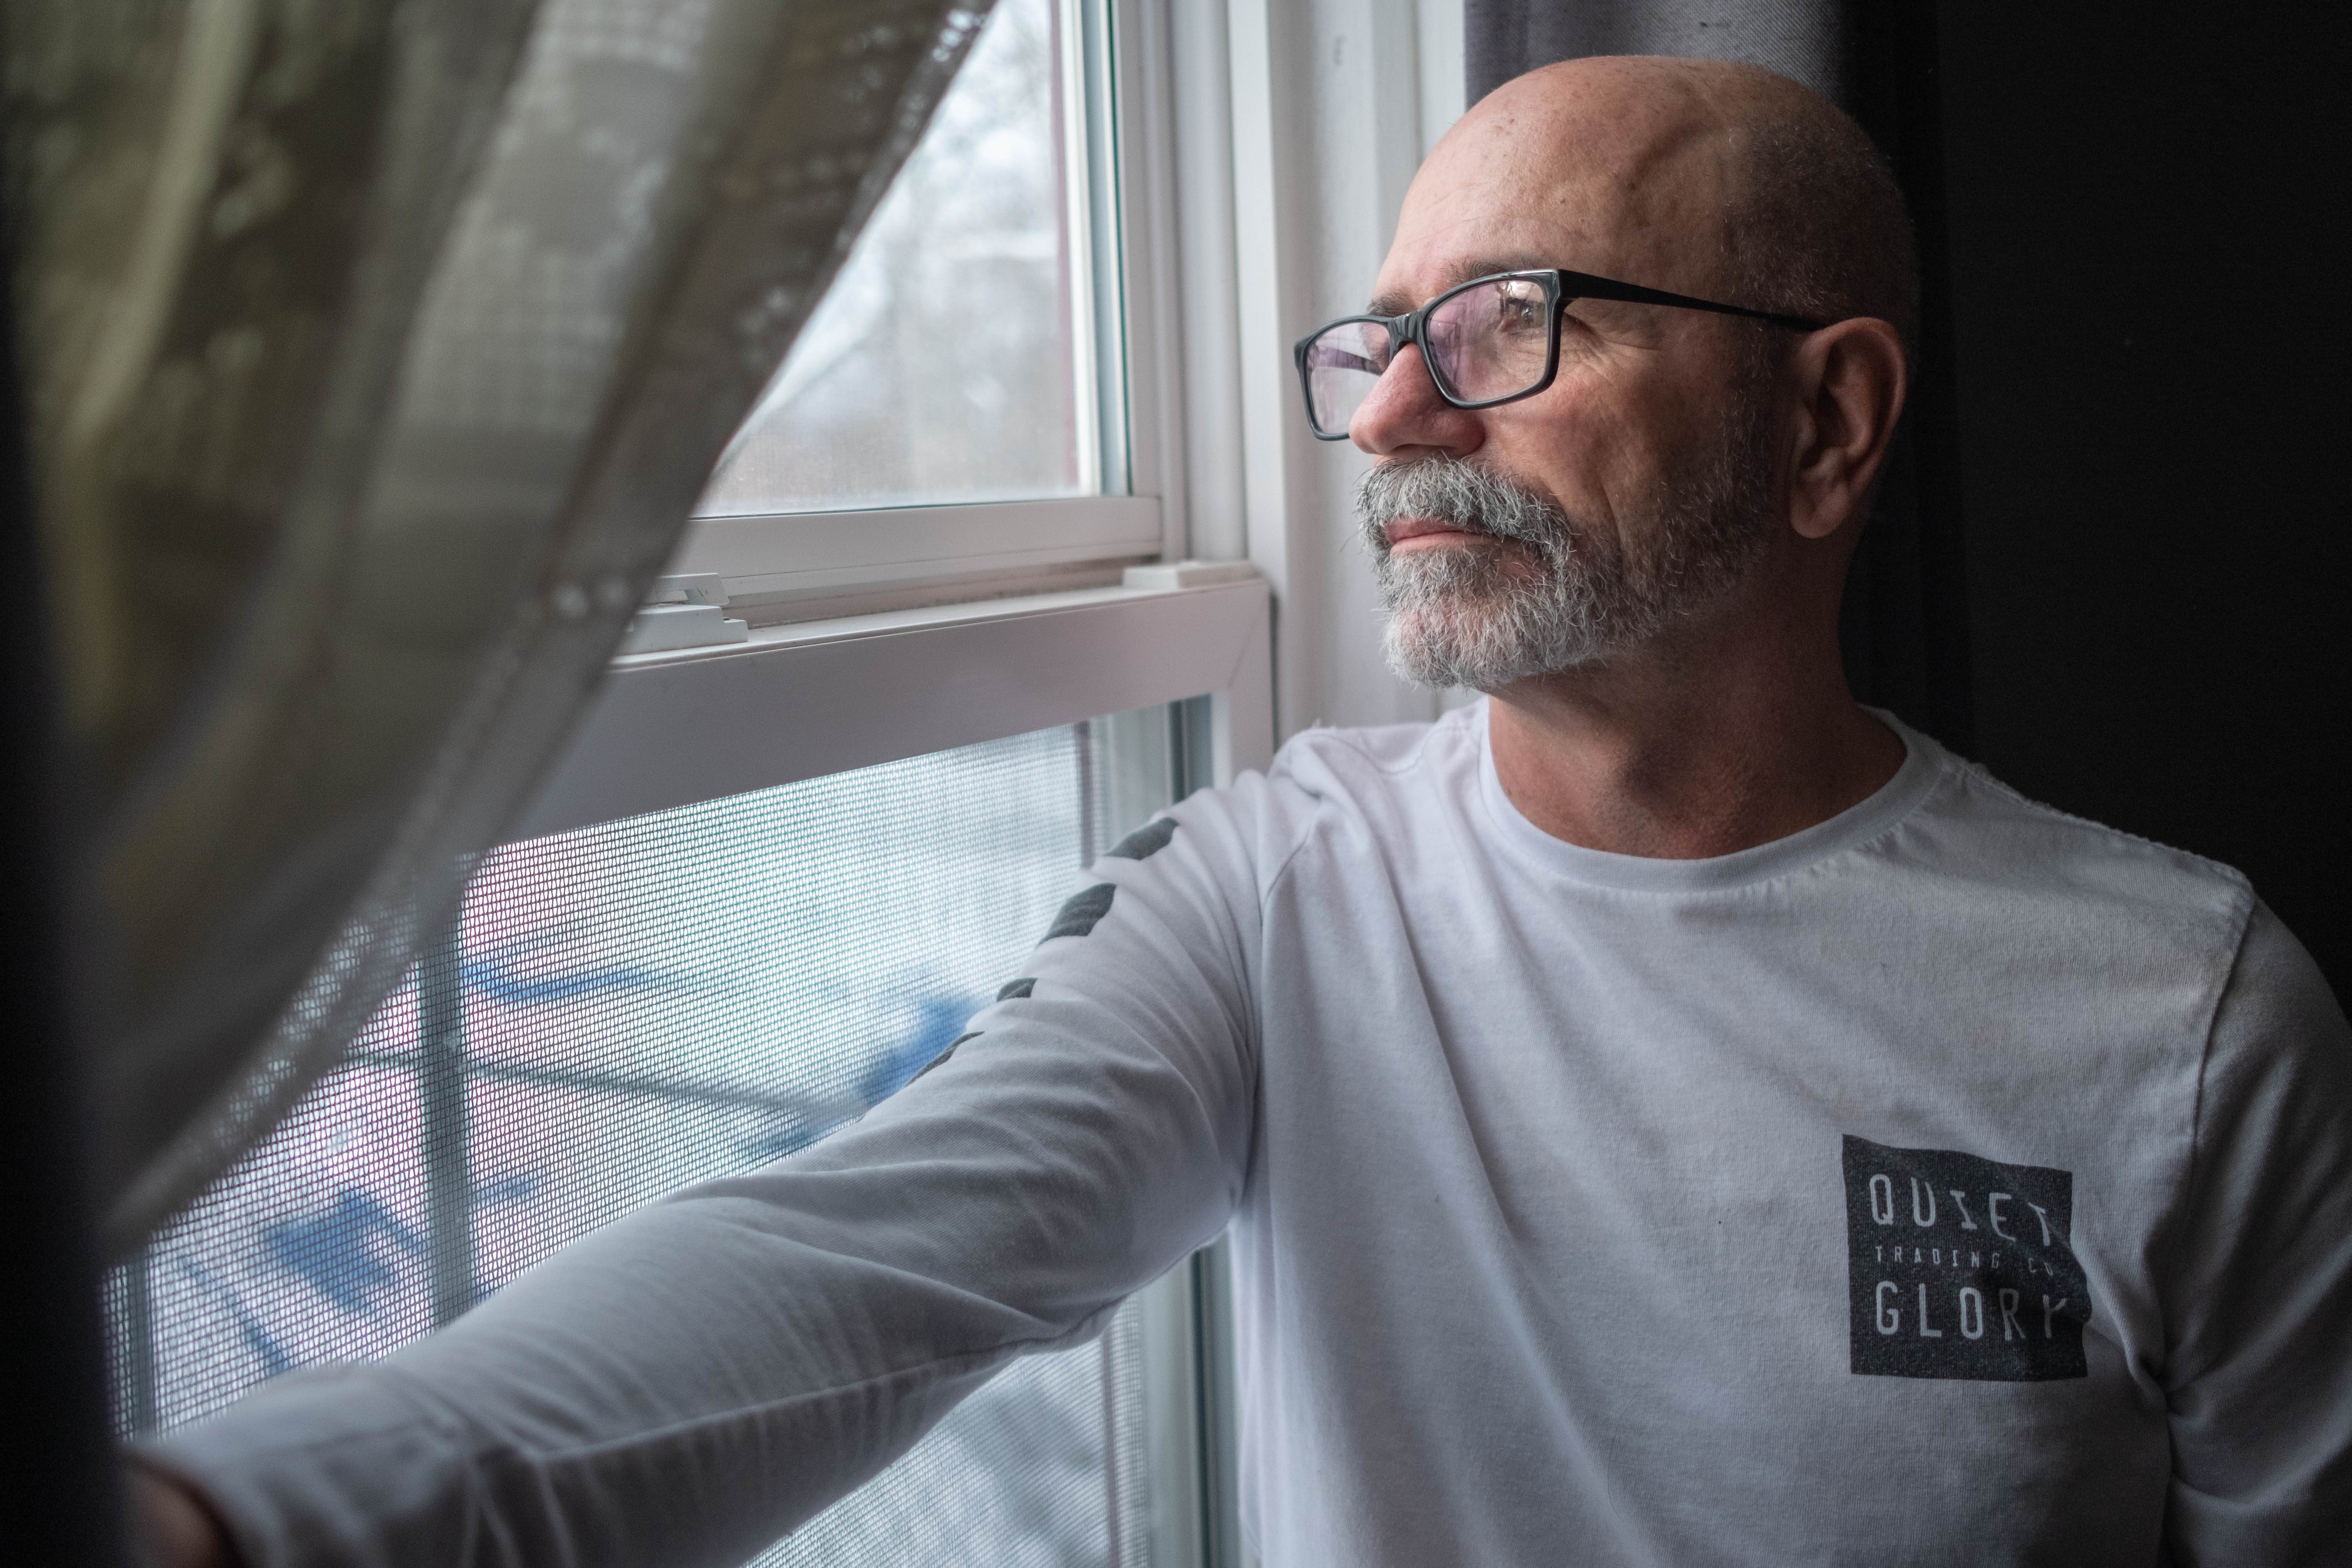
{"x":952,"y":422}
{"x":954,"y":358}
{"x":630,"y":1007}
{"x":769,"y":880}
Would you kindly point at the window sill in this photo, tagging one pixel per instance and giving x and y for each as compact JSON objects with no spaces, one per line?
{"x":811,"y":698}
{"x":793,"y":566}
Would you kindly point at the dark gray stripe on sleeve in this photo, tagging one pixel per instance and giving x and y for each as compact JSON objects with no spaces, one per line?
{"x":1147,"y":840}
{"x":941,"y":1060}
{"x":1079,"y":915}
{"x":1013,"y":989}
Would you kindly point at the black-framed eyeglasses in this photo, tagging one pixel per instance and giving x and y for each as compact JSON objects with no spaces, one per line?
{"x":1490,"y":341}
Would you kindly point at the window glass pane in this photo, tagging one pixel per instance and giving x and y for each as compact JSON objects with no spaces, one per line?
{"x":951,"y":361}
{"x":648,"y":1002}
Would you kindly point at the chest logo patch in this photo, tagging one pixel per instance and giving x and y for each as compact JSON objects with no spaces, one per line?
{"x":1959,"y":1266}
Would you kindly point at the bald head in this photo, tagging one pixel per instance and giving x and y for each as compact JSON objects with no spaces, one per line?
{"x":1721,"y":180}
{"x":1678,"y":477}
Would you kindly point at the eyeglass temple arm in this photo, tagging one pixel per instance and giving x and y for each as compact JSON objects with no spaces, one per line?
{"x":1584,"y":285}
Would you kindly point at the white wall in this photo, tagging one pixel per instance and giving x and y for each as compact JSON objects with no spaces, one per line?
{"x":1298,"y":124}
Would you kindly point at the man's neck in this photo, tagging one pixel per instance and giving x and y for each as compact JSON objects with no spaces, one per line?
{"x":1684,"y":753}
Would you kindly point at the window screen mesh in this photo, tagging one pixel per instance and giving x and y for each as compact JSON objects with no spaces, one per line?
{"x":628,"y":1008}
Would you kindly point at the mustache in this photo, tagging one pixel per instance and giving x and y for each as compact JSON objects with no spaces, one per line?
{"x":1463,"y":494}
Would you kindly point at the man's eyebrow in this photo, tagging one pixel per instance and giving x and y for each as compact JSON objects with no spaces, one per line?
{"x":1453,"y":275}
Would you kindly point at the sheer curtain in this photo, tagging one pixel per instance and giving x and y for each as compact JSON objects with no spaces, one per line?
{"x":370,"y":355}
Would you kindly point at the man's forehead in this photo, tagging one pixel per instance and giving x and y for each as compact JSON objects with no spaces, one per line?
{"x":1438,"y":276}
{"x":1456,"y":233}
{"x":1599,"y":177}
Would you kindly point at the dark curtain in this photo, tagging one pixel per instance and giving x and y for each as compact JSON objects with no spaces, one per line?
{"x":57,"y":1492}
{"x":2148,"y":319}
{"x":1904,"y":627}
{"x":1806,"y":39}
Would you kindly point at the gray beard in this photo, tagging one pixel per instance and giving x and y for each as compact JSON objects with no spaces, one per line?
{"x":1472,"y":616}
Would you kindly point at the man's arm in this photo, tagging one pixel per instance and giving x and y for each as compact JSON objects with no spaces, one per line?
{"x":2259,"y":1313}
{"x":692,"y":1382}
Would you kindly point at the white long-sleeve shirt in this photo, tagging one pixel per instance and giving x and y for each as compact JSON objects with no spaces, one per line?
{"x":1953,"y":1182}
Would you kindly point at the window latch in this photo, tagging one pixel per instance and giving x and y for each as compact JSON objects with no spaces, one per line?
{"x":685,"y":611}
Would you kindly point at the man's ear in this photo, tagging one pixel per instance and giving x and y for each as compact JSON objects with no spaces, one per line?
{"x":1849,"y":385}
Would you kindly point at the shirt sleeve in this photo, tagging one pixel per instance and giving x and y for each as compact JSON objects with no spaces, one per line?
{"x":2259,"y":1373}
{"x":690,"y":1382}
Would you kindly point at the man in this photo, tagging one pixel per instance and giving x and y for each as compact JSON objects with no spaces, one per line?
{"x":1665,"y":1112}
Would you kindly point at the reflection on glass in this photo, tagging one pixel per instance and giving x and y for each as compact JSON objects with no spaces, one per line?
{"x":946,"y":362}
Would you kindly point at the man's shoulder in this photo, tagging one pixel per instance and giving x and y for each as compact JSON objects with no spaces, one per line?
{"x":1376,"y":783}
{"x":1322,"y":758}
{"x":1983,"y":830}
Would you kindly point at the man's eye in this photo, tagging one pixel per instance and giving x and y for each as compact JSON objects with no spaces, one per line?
{"x":1518,"y":313}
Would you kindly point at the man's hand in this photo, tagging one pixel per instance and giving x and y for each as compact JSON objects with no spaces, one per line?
{"x":176,"y":1528}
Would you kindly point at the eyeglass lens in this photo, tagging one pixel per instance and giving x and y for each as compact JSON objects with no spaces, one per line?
{"x":1343,"y":364}
{"x":1488,"y":341}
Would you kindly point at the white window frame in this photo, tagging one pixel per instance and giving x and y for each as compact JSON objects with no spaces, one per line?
{"x":830,"y":564}
{"x":800,"y":701}
{"x":976,"y":658}
{"x":907,"y":630}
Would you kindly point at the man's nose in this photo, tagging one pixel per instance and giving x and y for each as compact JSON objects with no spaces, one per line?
{"x":1405,"y":416}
